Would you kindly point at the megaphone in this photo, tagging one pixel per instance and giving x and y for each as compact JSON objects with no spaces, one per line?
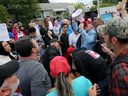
{"x":78,"y":15}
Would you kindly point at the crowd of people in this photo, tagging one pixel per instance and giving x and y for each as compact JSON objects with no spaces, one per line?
{"x":65,"y":57}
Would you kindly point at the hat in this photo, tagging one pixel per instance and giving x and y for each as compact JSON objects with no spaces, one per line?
{"x":70,"y":49}
{"x":59,"y":64}
{"x":8,"y":69}
{"x":117,"y":27}
{"x":100,"y":29}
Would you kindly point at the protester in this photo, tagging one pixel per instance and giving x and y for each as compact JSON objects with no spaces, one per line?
{"x":17,"y":32}
{"x":50,"y":25}
{"x":64,"y":38}
{"x":89,"y":37}
{"x":49,"y":37}
{"x":8,"y":81}
{"x":89,"y":64}
{"x":116,"y":39}
{"x":6,"y":53}
{"x":33,"y":34}
{"x":50,"y":52}
{"x":56,"y":27}
{"x":34,"y":79}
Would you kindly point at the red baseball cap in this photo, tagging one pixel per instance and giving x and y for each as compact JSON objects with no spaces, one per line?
{"x":70,"y":49}
{"x":59,"y":64}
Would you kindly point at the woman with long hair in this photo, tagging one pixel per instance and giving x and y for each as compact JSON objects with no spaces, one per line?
{"x":65,"y":85}
{"x":6,"y":53}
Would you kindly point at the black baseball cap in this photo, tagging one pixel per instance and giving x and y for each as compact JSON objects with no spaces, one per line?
{"x":8,"y":69}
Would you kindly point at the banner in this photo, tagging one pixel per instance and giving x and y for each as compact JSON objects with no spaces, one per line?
{"x":4,"y":36}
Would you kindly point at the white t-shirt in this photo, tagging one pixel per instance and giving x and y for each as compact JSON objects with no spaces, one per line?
{"x":73,"y":39}
{"x":56,"y":30}
{"x":4,"y":59}
{"x":50,"y":27}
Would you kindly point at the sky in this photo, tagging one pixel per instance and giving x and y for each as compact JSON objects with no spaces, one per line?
{"x":70,"y":1}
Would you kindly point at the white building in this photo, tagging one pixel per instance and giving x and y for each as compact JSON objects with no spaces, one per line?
{"x":51,"y":9}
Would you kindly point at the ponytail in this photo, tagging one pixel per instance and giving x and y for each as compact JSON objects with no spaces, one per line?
{"x":63,"y":86}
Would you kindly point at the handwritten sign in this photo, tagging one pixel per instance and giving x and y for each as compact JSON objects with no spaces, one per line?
{"x":4,"y":36}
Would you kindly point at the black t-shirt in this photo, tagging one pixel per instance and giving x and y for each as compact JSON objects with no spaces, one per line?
{"x":65,"y":43}
{"x":90,"y":64}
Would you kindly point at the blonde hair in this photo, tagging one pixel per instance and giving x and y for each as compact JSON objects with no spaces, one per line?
{"x":63,"y":86}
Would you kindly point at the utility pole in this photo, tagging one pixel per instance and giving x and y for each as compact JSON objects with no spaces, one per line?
{"x":98,"y":5}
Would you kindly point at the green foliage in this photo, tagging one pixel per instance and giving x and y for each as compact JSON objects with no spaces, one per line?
{"x":79,"y":5}
{"x":4,"y":16}
{"x":65,"y":14}
{"x":110,"y":1}
{"x":93,"y":8}
{"x":103,"y":3}
{"x":22,"y":10}
{"x":44,"y":1}
{"x":107,"y":4}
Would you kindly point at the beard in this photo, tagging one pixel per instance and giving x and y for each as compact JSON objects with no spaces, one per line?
{"x":111,"y":46}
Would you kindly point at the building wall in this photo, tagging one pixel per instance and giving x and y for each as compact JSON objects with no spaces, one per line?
{"x":48,"y":13}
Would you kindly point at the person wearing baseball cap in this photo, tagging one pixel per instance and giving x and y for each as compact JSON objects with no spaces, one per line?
{"x":65,"y":86}
{"x":116,"y":38}
{"x":8,"y":81}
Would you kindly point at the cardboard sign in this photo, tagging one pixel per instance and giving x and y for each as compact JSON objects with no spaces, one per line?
{"x":4,"y":36}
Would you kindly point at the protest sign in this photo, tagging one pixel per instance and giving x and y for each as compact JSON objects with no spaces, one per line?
{"x":106,"y":17}
{"x":4,"y":36}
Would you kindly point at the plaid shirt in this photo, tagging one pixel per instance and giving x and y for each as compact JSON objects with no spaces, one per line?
{"x":118,"y":85}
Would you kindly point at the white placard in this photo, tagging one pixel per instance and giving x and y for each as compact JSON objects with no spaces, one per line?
{"x":4,"y":36}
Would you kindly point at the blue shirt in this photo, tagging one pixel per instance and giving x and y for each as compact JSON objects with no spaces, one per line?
{"x":75,"y":26}
{"x":88,"y":39}
{"x":80,"y":87}
{"x":69,"y":30}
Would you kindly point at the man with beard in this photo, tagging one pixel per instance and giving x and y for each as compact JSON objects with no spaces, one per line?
{"x":34,"y":79}
{"x":116,"y":38}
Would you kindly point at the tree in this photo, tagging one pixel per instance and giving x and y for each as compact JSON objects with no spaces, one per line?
{"x":107,"y":1}
{"x":110,"y":1}
{"x":44,"y":1}
{"x":4,"y":16}
{"x":79,"y":5}
{"x":21,"y":10}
